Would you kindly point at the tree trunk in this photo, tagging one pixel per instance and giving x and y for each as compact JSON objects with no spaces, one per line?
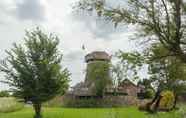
{"x":157,"y":96}
{"x":175,"y":102}
{"x":37,"y":108}
{"x":157,"y":103}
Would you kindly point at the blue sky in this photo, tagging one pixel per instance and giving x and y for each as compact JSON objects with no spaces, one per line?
{"x":74,"y":30}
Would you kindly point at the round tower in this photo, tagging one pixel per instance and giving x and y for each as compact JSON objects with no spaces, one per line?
{"x":98,"y":71}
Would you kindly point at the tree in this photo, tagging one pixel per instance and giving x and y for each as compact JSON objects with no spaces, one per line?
{"x":147,"y":83}
{"x":34,"y":70}
{"x":159,"y":20}
{"x":168,"y":73}
{"x":149,"y":89}
{"x":165,"y":73}
{"x":127,"y":66}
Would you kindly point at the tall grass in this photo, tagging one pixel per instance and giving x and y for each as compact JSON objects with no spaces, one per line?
{"x":9,"y":104}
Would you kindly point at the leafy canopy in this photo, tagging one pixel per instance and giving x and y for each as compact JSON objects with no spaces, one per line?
{"x":127,"y":66}
{"x":158,"y":20}
{"x":33,"y":70}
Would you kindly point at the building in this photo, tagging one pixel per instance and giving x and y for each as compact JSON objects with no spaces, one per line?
{"x":130,"y":88}
{"x":86,"y":89}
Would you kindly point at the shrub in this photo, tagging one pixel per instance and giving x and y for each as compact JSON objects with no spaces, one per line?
{"x":149,"y":93}
{"x":4,"y":94}
{"x":10,"y":105}
{"x":55,"y":102}
{"x":86,"y":103}
{"x":167,"y":100}
{"x":143,"y":105}
{"x":105,"y":102}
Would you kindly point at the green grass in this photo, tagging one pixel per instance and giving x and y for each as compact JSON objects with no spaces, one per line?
{"x":128,"y":112}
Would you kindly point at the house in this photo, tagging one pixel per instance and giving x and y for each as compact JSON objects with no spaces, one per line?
{"x":128,"y":87}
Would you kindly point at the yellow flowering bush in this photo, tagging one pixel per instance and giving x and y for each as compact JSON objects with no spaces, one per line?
{"x":167,"y":100}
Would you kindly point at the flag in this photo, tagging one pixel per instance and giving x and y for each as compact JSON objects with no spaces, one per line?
{"x":83,"y":47}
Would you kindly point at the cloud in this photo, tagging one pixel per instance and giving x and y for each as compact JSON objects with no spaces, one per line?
{"x":30,"y":10}
{"x":6,"y":7}
{"x":73,"y":29}
{"x":98,"y":26}
{"x":74,"y":55}
{"x":74,"y":61}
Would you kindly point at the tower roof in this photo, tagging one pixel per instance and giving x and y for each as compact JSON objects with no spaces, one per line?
{"x":97,"y":55}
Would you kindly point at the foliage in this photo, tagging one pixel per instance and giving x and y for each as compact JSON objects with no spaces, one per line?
{"x":147,"y":83}
{"x":109,"y":101}
{"x":158,"y":20}
{"x":55,"y":102}
{"x":149,"y":93}
{"x":127,"y":66}
{"x":98,"y":73}
{"x":4,"y":94}
{"x":34,"y":71}
{"x":10,"y":105}
{"x":87,"y":103}
{"x":167,"y":72}
{"x":167,"y":100}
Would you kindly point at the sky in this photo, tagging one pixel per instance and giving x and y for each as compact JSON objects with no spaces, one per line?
{"x":75,"y":29}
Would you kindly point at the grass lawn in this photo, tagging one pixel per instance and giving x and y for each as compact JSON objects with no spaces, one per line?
{"x":128,"y":112}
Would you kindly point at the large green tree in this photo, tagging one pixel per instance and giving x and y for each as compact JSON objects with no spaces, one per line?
{"x":158,"y":20}
{"x":168,"y":73}
{"x":33,"y":70}
{"x":165,"y":73}
{"x":127,"y":66}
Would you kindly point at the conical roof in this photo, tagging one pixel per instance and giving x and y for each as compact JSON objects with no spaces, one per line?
{"x":97,"y":55}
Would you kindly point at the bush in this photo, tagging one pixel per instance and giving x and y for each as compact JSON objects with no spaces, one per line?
{"x":55,"y":102}
{"x":86,"y":103}
{"x":167,"y":100}
{"x":97,"y":102}
{"x":4,"y":94}
{"x":149,"y":94}
{"x":10,"y":105}
{"x":143,"y":107}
